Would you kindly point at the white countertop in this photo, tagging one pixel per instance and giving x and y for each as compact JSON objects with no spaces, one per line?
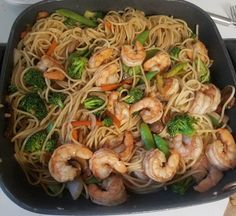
{"x":8,"y":14}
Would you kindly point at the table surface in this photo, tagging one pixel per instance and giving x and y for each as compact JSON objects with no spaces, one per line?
{"x":8,"y":14}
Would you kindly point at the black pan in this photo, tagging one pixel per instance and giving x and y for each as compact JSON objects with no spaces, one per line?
{"x":12,"y":179}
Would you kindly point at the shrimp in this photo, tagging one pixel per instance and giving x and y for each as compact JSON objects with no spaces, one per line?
{"x":170,"y":87}
{"x":112,"y":192}
{"x":152,"y":109}
{"x":161,"y":62}
{"x":59,"y":167}
{"x":42,"y":14}
{"x":197,"y":48}
{"x":48,"y":62}
{"x":222,"y":152}
{"x":104,"y":161}
{"x":158,"y":168}
{"x":118,"y":108}
{"x":100,"y":57}
{"x":133,"y":57}
{"x":190,"y":148}
{"x":109,"y":75}
{"x":126,"y":141}
{"x":208,"y":177}
{"x":206,"y":100}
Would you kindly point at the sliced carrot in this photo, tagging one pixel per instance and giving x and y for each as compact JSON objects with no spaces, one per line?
{"x":108,"y":25}
{"x":51,"y":48}
{"x":75,"y":134}
{"x":85,"y":123}
{"x":23,"y":34}
{"x":110,"y":87}
{"x":114,"y":119}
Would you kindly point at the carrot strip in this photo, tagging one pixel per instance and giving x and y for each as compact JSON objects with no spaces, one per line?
{"x":84,"y":123}
{"x":75,"y":134}
{"x":114,"y":119}
{"x":52,"y":48}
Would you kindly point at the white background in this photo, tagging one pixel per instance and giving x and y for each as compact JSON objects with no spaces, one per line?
{"x":8,"y":14}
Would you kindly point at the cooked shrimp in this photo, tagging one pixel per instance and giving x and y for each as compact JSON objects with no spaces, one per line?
{"x":161,"y":61}
{"x":133,"y":57}
{"x":111,"y":193}
{"x":54,"y":75}
{"x":59,"y":167}
{"x":222,"y":152}
{"x":158,"y":168}
{"x":100,"y":57}
{"x":206,"y":100}
{"x":104,"y":161}
{"x":42,"y":14}
{"x":118,"y":108}
{"x":208,"y":176}
{"x":47,"y":62}
{"x":170,"y":87}
{"x":190,"y":148}
{"x":152,"y":109}
{"x":109,"y":75}
{"x":197,"y":48}
{"x":122,"y":145}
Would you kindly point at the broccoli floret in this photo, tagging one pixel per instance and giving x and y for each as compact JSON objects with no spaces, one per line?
{"x":92,"y":103}
{"x":181,"y":124}
{"x":33,"y":104}
{"x":35,"y":142}
{"x":57,"y":99}
{"x":134,"y":95}
{"x":107,"y":122}
{"x":76,"y":65}
{"x":131,"y":71}
{"x":34,"y":78}
{"x":94,"y":15}
{"x":12,"y":89}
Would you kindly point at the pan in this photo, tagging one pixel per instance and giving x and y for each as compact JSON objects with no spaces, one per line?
{"x":12,"y":179}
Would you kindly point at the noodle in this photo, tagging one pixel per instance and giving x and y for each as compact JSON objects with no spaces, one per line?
{"x":116,"y":29}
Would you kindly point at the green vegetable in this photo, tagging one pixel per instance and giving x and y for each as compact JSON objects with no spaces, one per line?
{"x":12,"y":89}
{"x":162,"y":145}
{"x":77,"y":17}
{"x":35,"y":142}
{"x":70,"y":22}
{"x":146,"y":136}
{"x":57,"y":99}
{"x":149,"y":76}
{"x":182,"y":186}
{"x":107,"y":122}
{"x":193,"y":35}
{"x":94,"y":15}
{"x":142,"y":37}
{"x":215,"y":120}
{"x":34,"y":78}
{"x":93,"y":102}
{"x":204,"y":71}
{"x":92,"y":180}
{"x":181,"y":124}
{"x":150,"y":53}
{"x":54,"y":188}
{"x":174,"y":52}
{"x":131,"y":71}
{"x":176,"y":70}
{"x":76,"y":65}
{"x":135,"y":94}
{"x":33,"y":104}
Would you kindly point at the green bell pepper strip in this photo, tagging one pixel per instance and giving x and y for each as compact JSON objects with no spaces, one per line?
{"x":178,"y":68}
{"x":142,"y":37}
{"x":146,"y":136}
{"x":162,"y":145}
{"x":75,"y":16}
{"x":174,"y":52}
{"x":149,"y":76}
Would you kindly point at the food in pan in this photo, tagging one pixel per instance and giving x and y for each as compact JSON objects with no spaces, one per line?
{"x":108,"y":103}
